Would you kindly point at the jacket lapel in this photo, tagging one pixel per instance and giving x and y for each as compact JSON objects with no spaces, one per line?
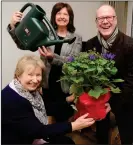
{"x":64,"y":45}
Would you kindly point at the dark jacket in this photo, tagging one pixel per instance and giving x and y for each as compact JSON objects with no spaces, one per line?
{"x":123,"y":49}
{"x":19,"y":123}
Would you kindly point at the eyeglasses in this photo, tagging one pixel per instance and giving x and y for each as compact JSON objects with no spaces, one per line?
{"x":108,"y":18}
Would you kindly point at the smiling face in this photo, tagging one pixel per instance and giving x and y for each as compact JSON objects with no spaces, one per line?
{"x":62,"y":18}
{"x":106,"y":21}
{"x":31,"y":78}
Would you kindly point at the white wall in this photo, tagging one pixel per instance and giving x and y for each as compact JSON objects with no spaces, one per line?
{"x":0,"y":53}
{"x":84,"y":23}
{"x":129,"y":17}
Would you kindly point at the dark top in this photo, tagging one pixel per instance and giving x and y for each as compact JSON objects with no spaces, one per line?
{"x":123,"y":49}
{"x":55,"y":91}
{"x":19,"y":123}
{"x":57,"y":105}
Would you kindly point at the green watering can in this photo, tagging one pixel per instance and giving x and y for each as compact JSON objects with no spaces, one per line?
{"x":32,"y":32}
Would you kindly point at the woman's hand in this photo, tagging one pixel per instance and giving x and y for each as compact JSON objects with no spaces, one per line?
{"x":70,"y":98}
{"x":46,"y":52}
{"x":82,"y":122}
{"x":108,"y":108}
{"x":16,"y":17}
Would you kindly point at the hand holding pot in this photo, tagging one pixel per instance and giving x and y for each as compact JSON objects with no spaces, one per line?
{"x":70,"y":98}
{"x":108,"y":107}
{"x":82,"y":122}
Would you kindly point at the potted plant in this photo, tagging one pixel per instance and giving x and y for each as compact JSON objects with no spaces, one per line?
{"x":90,"y":76}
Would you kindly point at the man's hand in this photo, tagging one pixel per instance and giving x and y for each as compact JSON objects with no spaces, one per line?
{"x":108,"y":108}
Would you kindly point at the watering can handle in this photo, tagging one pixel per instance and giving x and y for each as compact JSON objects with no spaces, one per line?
{"x":23,"y":8}
{"x":26,"y":5}
{"x":47,"y":21}
{"x":51,"y":27}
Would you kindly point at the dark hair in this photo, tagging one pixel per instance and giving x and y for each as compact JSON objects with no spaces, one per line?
{"x":56,"y":8}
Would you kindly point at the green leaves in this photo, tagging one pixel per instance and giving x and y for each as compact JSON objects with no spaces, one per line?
{"x":117,"y":80}
{"x":77,"y":90}
{"x":102,"y":61}
{"x":93,"y":70}
{"x":73,"y":89}
{"x":90,"y":69}
{"x":77,"y":80}
{"x":97,"y":91}
{"x":113,"y":70}
{"x":115,"y":90}
{"x":99,"y":69}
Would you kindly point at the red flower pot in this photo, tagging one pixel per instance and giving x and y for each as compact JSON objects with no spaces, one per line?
{"x":95,"y":107}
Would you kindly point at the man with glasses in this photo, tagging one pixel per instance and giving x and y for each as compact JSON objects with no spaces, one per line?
{"x":110,"y":39}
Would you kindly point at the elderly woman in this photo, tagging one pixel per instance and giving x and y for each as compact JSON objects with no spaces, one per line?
{"x":24,"y":118}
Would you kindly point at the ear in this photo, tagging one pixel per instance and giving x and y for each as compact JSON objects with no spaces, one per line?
{"x":18,"y":78}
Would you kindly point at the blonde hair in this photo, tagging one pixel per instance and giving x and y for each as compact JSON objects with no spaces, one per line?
{"x":29,"y":60}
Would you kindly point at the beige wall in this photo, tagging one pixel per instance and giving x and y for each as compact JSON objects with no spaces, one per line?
{"x":84,"y":23}
{"x":129,"y":17}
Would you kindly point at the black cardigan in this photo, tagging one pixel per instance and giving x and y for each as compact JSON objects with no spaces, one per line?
{"x":123,"y":49}
{"x":20,"y":125}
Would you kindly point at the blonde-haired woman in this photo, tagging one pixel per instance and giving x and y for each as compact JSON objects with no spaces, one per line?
{"x":24,"y":118}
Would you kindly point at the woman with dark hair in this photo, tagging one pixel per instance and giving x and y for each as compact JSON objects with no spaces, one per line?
{"x":57,"y":7}
{"x":62,"y":19}
{"x":58,"y":100}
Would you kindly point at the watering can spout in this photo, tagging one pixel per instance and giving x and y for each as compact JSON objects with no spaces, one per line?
{"x":69,"y":41}
{"x":54,"y":42}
